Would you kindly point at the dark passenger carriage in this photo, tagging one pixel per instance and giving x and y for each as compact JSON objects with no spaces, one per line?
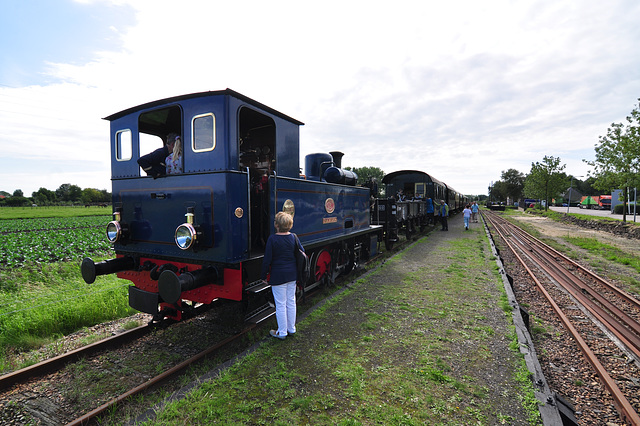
{"x":200,"y":235}
{"x":406,"y":207}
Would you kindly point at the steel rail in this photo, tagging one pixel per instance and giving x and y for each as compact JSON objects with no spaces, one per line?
{"x":625,"y":327}
{"x":621,"y":293}
{"x":624,"y":407}
{"x":612,"y":322}
{"x":57,"y":362}
{"x":85,"y":419}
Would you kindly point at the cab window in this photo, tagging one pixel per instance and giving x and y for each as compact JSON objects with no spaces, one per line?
{"x":203,"y":130}
{"x":123,"y":145}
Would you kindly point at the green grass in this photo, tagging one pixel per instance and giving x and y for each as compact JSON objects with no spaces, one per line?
{"x":58,"y":211}
{"x":39,"y":303}
{"x":558,"y":216}
{"x":606,"y":251}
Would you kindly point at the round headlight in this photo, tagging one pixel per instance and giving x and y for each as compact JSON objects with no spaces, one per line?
{"x":114,"y":231}
{"x":185,"y":236}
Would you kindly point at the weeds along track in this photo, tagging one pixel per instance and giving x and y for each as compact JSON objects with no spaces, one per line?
{"x":606,"y":323}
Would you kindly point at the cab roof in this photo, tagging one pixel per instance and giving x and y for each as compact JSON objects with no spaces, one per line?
{"x":176,"y":99}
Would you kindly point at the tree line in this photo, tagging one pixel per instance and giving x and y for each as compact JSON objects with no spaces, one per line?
{"x":616,"y":166}
{"x":66,"y":194}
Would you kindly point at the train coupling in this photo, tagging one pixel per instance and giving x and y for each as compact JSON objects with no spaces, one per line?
{"x":171,"y":285}
{"x":90,"y":270}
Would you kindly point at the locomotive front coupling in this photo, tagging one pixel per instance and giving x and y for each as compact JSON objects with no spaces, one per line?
{"x":90,"y":269}
{"x":171,"y":285}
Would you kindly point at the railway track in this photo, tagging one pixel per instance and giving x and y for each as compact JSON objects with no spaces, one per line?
{"x":565,"y":284}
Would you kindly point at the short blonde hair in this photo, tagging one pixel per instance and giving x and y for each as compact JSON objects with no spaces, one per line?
{"x":283,"y":222}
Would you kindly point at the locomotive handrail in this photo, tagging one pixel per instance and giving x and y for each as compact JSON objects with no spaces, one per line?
{"x":249,"y":212}
{"x":275,"y":192}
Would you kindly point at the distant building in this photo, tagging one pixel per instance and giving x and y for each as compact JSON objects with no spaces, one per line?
{"x":576,"y":196}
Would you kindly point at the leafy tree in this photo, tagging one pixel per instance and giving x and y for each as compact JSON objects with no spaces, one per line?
{"x":43,"y":197}
{"x":617,"y":162}
{"x":366,"y":174}
{"x":17,"y":201}
{"x":68,"y":192}
{"x":18,"y":193}
{"x":513,"y":183}
{"x":498,"y":191}
{"x":510,"y":185}
{"x":91,"y":195}
{"x":585,"y":186}
{"x":546,"y":180}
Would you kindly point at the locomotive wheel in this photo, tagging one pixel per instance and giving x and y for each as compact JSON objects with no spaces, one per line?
{"x":388,"y":245}
{"x":322,"y":265}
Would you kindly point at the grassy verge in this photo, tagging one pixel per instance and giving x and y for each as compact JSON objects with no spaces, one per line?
{"x":39,"y":303}
{"x":57,"y":211}
{"x":413,"y":350}
{"x":558,"y":216}
{"x":609,"y":253}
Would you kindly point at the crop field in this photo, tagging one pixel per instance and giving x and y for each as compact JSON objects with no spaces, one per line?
{"x":46,"y":240}
{"x":42,"y":293}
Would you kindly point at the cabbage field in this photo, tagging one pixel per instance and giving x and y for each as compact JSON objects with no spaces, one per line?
{"x":53,"y":239}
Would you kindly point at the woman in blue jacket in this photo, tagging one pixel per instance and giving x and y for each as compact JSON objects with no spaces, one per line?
{"x":280,"y":263}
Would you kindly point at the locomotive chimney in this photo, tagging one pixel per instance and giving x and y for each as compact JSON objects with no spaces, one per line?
{"x":337,"y":158}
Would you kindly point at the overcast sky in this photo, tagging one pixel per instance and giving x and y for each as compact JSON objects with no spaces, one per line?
{"x":462,"y":90}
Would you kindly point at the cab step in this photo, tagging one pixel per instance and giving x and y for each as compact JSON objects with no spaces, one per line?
{"x":257,"y":287}
{"x":261,"y":314}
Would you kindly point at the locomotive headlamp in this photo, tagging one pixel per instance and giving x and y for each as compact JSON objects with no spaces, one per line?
{"x":115,"y":229}
{"x":187,"y":234}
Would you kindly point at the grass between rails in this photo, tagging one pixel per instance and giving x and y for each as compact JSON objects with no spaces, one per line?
{"x":409,"y":351}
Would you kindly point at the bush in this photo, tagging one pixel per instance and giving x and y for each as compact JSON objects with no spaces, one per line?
{"x":618,"y":209}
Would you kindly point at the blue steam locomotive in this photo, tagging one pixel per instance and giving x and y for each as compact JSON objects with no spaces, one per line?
{"x":192,"y":237}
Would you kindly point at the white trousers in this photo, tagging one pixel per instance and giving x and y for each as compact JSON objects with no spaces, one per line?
{"x":285,"y":298}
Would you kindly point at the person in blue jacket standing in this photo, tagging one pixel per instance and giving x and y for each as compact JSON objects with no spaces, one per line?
{"x":430,"y":210}
{"x":474,"y":212}
{"x":444,"y":214}
{"x":279,"y":263}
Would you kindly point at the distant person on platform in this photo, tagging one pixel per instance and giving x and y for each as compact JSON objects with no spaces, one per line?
{"x":429,"y":210}
{"x":474,"y":212}
{"x":444,"y":214}
{"x":466,"y":214}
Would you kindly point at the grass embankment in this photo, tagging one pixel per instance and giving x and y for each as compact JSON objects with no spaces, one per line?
{"x":53,"y":211}
{"x":42,"y":300}
{"x":410,"y":344}
{"x":558,"y":216}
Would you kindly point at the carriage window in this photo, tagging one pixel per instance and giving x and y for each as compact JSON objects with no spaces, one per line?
{"x":204,"y":132}
{"x":123,"y":145}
